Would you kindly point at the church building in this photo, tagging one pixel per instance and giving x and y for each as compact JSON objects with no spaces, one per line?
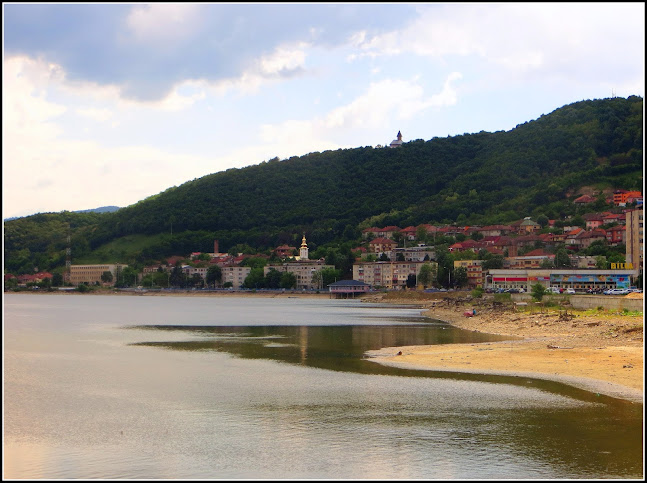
{"x":396,"y":143}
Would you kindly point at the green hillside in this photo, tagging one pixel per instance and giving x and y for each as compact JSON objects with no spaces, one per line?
{"x":481,"y":178}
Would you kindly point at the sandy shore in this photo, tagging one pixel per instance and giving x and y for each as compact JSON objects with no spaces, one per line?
{"x":602,"y":352}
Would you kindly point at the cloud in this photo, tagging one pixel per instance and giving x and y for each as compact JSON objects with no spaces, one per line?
{"x":145,"y":50}
{"x":524,"y":40}
{"x":99,"y":115}
{"x":164,"y":22}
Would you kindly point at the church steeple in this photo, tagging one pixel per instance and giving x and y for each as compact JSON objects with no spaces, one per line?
{"x":303,"y":251}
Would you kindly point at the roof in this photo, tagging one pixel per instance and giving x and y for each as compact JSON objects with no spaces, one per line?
{"x":382,"y":241}
{"x":348,"y":283}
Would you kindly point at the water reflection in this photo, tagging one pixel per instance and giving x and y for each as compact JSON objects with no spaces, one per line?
{"x":597,"y":438}
{"x":343,"y":348}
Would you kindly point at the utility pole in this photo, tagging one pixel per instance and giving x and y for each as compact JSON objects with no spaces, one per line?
{"x":67,"y":276}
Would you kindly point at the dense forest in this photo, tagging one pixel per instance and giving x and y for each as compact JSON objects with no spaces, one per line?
{"x":476,"y":179}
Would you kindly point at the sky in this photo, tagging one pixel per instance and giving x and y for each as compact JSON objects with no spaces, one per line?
{"x":108,"y":104}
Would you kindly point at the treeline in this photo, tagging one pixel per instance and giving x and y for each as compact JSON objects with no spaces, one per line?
{"x":483,"y":178}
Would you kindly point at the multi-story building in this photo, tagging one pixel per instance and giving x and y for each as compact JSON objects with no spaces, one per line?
{"x":620,"y":197}
{"x":420,"y":253}
{"x":302,"y":270}
{"x":190,"y":271}
{"x":474,"y":271}
{"x":235,"y":275}
{"x":389,"y":275}
{"x":382,"y":245}
{"x":634,"y":239}
{"x":92,"y":273}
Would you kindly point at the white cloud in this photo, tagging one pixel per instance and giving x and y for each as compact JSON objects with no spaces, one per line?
{"x":283,"y":59}
{"x":163,"y":22}
{"x":519,"y":38}
{"x":95,"y":114}
{"x":381,"y":104}
{"x":388,"y":100}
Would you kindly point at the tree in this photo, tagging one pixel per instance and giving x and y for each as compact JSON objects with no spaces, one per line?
{"x":460,"y":276}
{"x":195,"y":281}
{"x":128,"y":277}
{"x":57,"y":279}
{"x":324,"y":277}
{"x":214,"y":275}
{"x":273,"y":278}
{"x":546,"y":263}
{"x":177,"y":278}
{"x":538,"y":291}
{"x":255,"y":279}
{"x":601,"y":262}
{"x":494,"y":261}
{"x":562,"y":259}
{"x":106,"y":276}
{"x":421,"y":234}
{"x":411,"y":281}
{"x":288,"y":280}
{"x":161,"y":279}
{"x":542,"y":220}
{"x":426,"y":275}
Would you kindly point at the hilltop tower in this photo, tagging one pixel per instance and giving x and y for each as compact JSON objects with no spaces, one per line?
{"x":396,"y":143}
{"x":303,"y":251}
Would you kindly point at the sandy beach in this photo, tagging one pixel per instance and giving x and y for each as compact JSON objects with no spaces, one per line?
{"x":601,"y":351}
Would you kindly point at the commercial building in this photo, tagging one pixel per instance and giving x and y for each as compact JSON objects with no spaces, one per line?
{"x":91,"y":274}
{"x":578,"y":279}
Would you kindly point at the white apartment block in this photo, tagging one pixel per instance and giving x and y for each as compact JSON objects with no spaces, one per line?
{"x":303,"y":271}
{"x":235,"y":275}
{"x":389,"y":275}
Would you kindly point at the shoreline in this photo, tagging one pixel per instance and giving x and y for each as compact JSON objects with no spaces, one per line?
{"x":601,"y":354}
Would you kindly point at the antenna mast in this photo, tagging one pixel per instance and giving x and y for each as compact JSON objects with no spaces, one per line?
{"x":67,"y":277}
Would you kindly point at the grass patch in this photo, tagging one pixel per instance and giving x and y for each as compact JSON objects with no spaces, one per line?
{"x":119,"y":250}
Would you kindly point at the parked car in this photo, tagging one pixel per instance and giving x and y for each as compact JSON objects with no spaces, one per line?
{"x":616,"y":291}
{"x":570,"y":291}
{"x":554,"y":289}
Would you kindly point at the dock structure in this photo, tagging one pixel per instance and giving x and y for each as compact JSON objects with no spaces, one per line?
{"x":345,"y":289}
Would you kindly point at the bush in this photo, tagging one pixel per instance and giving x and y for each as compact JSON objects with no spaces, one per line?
{"x":477,"y":292}
{"x":502,"y":297}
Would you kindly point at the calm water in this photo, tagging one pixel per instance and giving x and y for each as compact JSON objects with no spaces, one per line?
{"x":180,"y":387}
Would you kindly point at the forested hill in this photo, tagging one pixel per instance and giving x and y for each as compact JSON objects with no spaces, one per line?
{"x":481,"y":178}
{"x":491,"y":176}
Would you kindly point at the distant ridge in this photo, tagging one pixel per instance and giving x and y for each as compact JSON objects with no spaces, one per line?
{"x":102,"y":209}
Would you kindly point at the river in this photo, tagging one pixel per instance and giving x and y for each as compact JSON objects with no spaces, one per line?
{"x":106,"y":387}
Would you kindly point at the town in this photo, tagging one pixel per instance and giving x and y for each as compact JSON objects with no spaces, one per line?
{"x":564,"y":256}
